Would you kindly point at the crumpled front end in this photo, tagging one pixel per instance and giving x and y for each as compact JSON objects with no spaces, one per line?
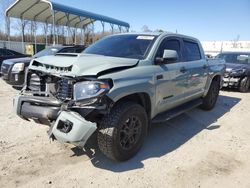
{"x":232,"y":78}
{"x":49,"y":100}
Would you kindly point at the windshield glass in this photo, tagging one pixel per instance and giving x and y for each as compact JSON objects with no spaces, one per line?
{"x":235,"y":58}
{"x":125,"y":46}
{"x":47,"y":51}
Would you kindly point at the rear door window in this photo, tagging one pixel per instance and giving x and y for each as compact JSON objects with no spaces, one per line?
{"x":243,"y":58}
{"x":192,"y":51}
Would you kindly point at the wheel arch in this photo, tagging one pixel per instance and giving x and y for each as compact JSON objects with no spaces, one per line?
{"x":141,"y":98}
{"x":216,"y":77}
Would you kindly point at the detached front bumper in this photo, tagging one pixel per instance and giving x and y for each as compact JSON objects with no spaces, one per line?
{"x":70,"y":127}
{"x":65,"y":126}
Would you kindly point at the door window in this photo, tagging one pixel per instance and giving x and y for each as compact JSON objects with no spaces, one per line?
{"x":169,"y":44}
{"x":192,"y":51}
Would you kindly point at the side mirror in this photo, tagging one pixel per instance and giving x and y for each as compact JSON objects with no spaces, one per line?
{"x":169,"y":56}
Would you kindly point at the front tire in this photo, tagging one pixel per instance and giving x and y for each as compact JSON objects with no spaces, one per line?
{"x":210,"y":99}
{"x":244,"y":85}
{"x":121,"y":133}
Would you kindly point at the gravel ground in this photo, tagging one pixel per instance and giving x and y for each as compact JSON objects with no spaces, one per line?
{"x":196,"y":149}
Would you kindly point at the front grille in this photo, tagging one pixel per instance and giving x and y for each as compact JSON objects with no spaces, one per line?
{"x":60,"y":88}
{"x":52,"y":68}
{"x":226,"y":74}
{"x":64,"y":89}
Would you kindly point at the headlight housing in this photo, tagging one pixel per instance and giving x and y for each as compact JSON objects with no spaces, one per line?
{"x":90,"y":89}
{"x":18,"y":67}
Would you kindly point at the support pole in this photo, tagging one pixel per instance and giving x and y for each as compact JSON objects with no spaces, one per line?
{"x":46,"y":34}
{"x":68,"y":34}
{"x":67,"y":25}
{"x":22,"y":22}
{"x":81,"y":37}
{"x":112,"y":28}
{"x":6,"y":33}
{"x":93,"y":33}
{"x":7,"y":30}
{"x":35,"y":37}
{"x":54,"y":27}
{"x":103,"y":27}
{"x":75,"y":35}
{"x":63,"y":35}
{"x":120,"y":28}
{"x":31,"y":31}
{"x":57,"y":34}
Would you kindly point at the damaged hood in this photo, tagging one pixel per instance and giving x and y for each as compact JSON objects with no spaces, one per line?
{"x":80,"y":64}
{"x":236,"y":66}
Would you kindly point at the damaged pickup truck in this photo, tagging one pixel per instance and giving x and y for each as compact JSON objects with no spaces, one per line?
{"x":118,"y":87}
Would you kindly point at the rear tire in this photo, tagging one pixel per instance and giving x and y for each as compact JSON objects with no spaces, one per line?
{"x":244,"y":85}
{"x":121,"y":133}
{"x":210,"y":99}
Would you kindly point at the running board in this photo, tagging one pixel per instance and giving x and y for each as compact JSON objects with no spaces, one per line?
{"x":169,"y":114}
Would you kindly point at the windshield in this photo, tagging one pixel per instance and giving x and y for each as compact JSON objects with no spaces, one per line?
{"x":47,"y":51}
{"x":125,"y":46}
{"x":235,"y":58}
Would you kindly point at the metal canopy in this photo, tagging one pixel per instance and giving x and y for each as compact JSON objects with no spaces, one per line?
{"x":53,"y":13}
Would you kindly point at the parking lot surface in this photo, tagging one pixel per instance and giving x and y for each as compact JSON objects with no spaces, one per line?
{"x":196,"y":149}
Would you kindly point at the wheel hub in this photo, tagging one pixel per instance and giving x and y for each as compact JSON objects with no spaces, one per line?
{"x":130,"y":132}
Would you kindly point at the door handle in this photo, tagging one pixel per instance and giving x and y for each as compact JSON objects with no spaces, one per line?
{"x":183,"y":70}
{"x":159,"y":77}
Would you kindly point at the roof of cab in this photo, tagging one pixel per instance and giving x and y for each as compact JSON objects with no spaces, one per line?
{"x":166,"y":33}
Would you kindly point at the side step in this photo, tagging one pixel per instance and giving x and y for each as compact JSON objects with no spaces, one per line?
{"x":169,"y":114}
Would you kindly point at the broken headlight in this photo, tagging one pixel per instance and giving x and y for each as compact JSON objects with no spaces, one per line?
{"x":90,"y":89}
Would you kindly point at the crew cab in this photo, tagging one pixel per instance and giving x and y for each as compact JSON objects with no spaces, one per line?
{"x":117,"y":88}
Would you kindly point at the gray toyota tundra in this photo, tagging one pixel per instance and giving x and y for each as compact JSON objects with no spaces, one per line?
{"x":117,"y":88}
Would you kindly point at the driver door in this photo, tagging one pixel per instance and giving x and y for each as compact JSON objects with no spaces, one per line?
{"x":170,"y":81}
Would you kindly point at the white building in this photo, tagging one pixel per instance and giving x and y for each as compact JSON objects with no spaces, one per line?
{"x":215,"y":47}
